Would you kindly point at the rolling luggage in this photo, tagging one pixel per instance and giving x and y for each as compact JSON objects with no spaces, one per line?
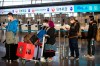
{"x":11,"y":52}
{"x":37,"y":52}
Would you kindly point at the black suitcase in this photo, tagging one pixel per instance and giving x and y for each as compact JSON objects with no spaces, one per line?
{"x":11,"y":51}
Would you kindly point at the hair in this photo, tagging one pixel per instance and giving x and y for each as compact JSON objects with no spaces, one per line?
{"x":72,"y":18}
{"x":51,"y":24}
{"x":91,"y":18}
{"x":45,"y":20}
{"x":11,"y":14}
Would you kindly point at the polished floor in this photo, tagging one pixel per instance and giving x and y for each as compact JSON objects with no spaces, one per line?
{"x":60,"y":58}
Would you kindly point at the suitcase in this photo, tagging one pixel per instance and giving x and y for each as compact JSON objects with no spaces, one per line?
{"x":11,"y":51}
{"x":38,"y":53}
{"x":25,"y":50}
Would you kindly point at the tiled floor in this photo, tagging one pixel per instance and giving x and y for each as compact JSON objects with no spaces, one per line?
{"x":60,"y":61}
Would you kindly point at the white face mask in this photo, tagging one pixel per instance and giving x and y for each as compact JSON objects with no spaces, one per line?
{"x":9,"y":19}
{"x":45,"y":24}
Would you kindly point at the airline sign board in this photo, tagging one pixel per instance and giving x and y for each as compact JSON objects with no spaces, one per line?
{"x":59,"y":9}
{"x":87,"y":8}
{"x":54,"y":9}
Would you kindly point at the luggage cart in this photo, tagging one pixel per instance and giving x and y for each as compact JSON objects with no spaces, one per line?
{"x":24,"y":60}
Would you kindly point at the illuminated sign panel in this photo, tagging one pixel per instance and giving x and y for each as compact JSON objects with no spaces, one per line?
{"x":54,"y":9}
{"x":87,"y":8}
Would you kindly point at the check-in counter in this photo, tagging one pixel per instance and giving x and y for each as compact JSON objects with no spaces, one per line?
{"x":24,"y":28}
{"x":34,"y":27}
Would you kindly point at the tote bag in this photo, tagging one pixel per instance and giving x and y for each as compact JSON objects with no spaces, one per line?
{"x":10,"y":38}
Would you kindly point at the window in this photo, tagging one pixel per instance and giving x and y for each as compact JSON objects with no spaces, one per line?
{"x":7,"y":3}
{"x":1,"y":3}
{"x":26,"y":2}
{"x":17,"y":3}
{"x":47,"y":1}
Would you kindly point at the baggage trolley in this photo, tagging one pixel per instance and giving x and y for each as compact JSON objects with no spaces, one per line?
{"x":24,"y":59}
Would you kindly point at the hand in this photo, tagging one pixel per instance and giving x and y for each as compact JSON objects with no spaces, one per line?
{"x":47,"y":36}
{"x":4,"y":25}
{"x":92,"y":38}
{"x":68,"y":28}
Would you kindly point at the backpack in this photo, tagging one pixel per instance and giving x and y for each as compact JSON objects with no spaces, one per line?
{"x":41,"y":34}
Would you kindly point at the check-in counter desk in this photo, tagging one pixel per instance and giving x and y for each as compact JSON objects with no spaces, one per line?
{"x":24,"y":28}
{"x":34,"y":27}
{"x":63,"y":30}
{"x":84,"y":34}
{"x":29,"y":28}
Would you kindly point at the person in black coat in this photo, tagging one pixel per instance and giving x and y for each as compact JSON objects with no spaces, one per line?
{"x":92,"y":31}
{"x":50,"y":49}
{"x":73,"y":38}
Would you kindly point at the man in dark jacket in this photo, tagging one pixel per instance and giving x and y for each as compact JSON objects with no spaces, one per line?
{"x":73,"y":38}
{"x":92,"y":31}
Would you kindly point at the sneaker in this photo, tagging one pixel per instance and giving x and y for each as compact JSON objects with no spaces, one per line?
{"x":71,"y":57}
{"x":18,"y":60}
{"x":87,"y":56}
{"x":92,"y":57}
{"x":7,"y":61}
{"x":77,"y":58}
{"x":49,"y":60}
{"x":43,"y":60}
{"x":10,"y":61}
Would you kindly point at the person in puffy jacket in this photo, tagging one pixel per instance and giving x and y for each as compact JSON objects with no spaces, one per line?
{"x":11,"y":27}
{"x":73,"y":38}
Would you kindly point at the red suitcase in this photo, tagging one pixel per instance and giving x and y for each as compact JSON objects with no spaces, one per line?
{"x":25,"y":50}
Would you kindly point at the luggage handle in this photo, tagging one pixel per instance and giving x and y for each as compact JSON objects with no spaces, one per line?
{"x":42,"y":48}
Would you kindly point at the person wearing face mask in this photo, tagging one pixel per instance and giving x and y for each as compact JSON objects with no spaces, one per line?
{"x":49,"y":47}
{"x":92,"y":31}
{"x":45,"y":23}
{"x":73,"y":38}
{"x":11,"y":32}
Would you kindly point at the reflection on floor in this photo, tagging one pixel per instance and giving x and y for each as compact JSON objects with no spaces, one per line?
{"x":60,"y":61}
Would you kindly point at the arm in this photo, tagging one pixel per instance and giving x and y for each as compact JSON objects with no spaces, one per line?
{"x":13,"y":27}
{"x":77,"y":27}
{"x":94,"y":31}
{"x":51,"y":32}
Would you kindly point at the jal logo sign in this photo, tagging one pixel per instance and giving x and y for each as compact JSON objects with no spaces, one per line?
{"x":53,"y":9}
{"x":33,"y":10}
{"x":63,"y":9}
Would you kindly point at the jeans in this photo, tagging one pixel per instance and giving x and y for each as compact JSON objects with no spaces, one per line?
{"x":91,"y":48}
{"x":73,"y":44}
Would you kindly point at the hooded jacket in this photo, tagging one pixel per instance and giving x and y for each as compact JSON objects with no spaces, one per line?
{"x":12,"y":26}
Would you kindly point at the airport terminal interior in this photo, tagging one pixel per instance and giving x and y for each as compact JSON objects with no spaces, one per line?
{"x":31,"y":14}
